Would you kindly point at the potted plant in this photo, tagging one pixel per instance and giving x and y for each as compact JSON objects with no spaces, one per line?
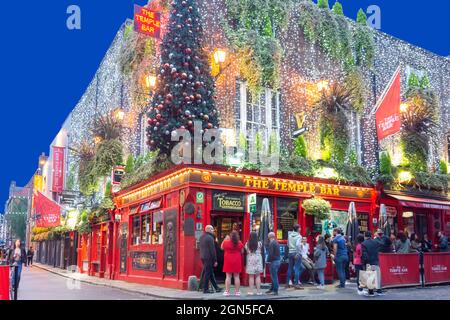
{"x":317,"y":207}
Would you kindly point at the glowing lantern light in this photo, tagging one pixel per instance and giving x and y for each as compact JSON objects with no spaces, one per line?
{"x":405,"y":177}
{"x":150,"y":81}
{"x":220,"y":56}
{"x":323,"y":85}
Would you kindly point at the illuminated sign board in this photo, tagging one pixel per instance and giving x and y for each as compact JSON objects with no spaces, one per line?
{"x":147,"y":22}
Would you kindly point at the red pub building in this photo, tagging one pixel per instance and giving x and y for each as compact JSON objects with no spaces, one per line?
{"x":160,"y":220}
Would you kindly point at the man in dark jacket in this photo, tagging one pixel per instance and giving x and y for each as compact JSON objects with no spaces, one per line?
{"x":443,"y":242}
{"x":370,"y":253}
{"x":209,"y":259}
{"x":384,"y":241}
{"x":274,"y":258}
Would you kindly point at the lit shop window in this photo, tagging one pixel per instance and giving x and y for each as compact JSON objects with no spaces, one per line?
{"x":136,"y":230}
{"x":257,"y":115}
{"x":287,"y":217}
{"x":146,"y":225}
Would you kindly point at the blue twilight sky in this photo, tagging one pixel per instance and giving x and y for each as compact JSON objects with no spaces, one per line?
{"x":45,"y":68}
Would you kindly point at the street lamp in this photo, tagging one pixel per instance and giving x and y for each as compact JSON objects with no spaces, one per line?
{"x":220,"y":56}
{"x":404,"y":107}
{"x":150,"y":81}
{"x":323,"y":85}
{"x":119,"y":114}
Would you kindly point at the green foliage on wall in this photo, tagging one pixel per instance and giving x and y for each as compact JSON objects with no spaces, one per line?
{"x":386,"y":170}
{"x":323,"y":4}
{"x":87,"y":180}
{"x":70,"y":183}
{"x":129,"y":167}
{"x":431,"y":181}
{"x":333,"y":33}
{"x":147,"y":166}
{"x":109,"y":154}
{"x":361,"y":17}
{"x":443,"y":167}
{"x":419,"y":125}
{"x":252,"y":27}
{"x":300,"y":148}
{"x":337,"y":8}
{"x":413,"y":81}
{"x":84,"y":227}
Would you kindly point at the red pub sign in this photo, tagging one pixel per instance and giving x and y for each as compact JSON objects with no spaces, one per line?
{"x":399,"y":270}
{"x":147,"y":22}
{"x":58,"y":169}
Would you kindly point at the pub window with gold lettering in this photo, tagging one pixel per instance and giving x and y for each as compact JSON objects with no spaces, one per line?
{"x":287,"y":216}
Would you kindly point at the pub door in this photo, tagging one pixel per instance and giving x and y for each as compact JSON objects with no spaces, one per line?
{"x":224,"y":224}
{"x":421,"y":225}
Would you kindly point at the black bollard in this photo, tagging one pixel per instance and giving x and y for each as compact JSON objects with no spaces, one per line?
{"x":16,"y":281}
{"x":422,"y":269}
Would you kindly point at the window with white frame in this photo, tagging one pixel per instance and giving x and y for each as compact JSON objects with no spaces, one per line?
{"x":143,"y":143}
{"x":257,"y":115}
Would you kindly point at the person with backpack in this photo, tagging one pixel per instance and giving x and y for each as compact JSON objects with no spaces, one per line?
{"x":321,"y":253}
{"x":254,"y":263}
{"x":294,"y":257}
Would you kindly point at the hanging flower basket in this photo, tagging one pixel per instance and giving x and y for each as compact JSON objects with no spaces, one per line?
{"x":317,"y":207}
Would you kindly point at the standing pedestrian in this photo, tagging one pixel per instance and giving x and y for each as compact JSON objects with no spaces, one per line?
{"x":340,"y":255}
{"x":370,"y":256}
{"x":357,"y":261}
{"x":17,"y":257}
{"x":294,"y":258}
{"x":274,"y":258}
{"x":443,"y":242}
{"x":30,"y":255}
{"x":320,"y":257}
{"x":209,"y":259}
{"x":254,"y":265}
{"x":232,"y":265}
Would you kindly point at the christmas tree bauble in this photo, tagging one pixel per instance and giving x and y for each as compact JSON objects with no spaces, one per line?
{"x":188,"y":51}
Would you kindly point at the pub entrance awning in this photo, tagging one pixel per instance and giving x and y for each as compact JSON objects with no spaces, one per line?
{"x":423,"y":203}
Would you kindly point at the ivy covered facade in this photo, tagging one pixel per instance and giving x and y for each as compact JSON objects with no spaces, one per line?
{"x":286,"y":62}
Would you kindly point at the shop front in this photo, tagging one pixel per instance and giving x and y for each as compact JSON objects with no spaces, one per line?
{"x":99,"y":250}
{"x":162,"y":219}
{"x":411,"y":213}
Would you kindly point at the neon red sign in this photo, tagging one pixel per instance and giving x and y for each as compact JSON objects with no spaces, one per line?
{"x":147,"y":21}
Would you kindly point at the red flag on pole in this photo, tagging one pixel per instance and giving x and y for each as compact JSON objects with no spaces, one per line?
{"x":48,"y":212}
{"x":388,"y":118}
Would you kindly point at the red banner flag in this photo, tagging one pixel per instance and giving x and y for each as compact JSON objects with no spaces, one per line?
{"x":48,"y":212}
{"x":388,"y":118}
{"x":58,"y":169}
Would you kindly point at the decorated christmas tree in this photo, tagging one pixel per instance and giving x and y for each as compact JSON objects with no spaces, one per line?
{"x":185,"y":86}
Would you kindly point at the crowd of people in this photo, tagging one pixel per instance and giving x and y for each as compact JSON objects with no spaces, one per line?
{"x":345,"y":255}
